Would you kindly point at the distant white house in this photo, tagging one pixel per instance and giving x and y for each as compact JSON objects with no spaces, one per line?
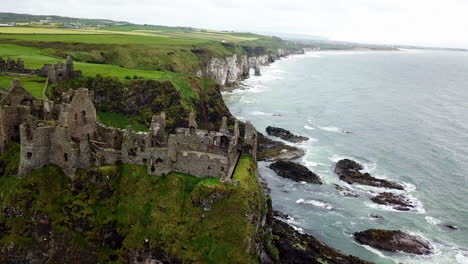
{"x":5,"y":25}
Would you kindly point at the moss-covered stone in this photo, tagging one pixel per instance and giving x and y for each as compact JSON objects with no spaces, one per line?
{"x":120,"y":214}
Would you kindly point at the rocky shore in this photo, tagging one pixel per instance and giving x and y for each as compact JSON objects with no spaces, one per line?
{"x":271,"y":150}
{"x":350,"y":172}
{"x":297,"y":248}
{"x":285,"y":134}
{"x":397,"y":201}
{"x":294,"y":171}
{"x":394,"y":241}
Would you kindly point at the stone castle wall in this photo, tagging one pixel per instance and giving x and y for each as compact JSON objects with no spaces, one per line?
{"x":55,"y":73}
{"x":68,"y":135}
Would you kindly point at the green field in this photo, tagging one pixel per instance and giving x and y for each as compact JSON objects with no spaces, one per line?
{"x":34,"y":85}
{"x":36,"y":58}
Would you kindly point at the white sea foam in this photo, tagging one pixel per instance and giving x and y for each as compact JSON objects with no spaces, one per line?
{"x":432,"y":220}
{"x":260,"y":113}
{"x":462,"y":259}
{"x":408,"y":186}
{"x":309,"y":127}
{"x":310,"y":163}
{"x":375,"y":251}
{"x":315,"y":203}
{"x":331,"y":129}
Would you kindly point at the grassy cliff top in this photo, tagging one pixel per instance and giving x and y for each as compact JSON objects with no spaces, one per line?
{"x":113,"y":213}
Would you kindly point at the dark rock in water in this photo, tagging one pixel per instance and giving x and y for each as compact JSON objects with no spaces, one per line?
{"x":376,"y":216}
{"x":452,"y":227}
{"x":279,"y":214}
{"x":294,"y":171}
{"x":343,"y":190}
{"x":271,"y":150}
{"x":393,"y":240}
{"x":350,"y":172}
{"x":285,"y":134}
{"x":398,"y":202}
{"x":296,"y":248}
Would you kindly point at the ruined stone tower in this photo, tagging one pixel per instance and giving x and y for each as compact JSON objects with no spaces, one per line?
{"x":68,"y":135}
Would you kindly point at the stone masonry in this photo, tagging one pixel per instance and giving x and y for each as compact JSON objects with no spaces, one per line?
{"x":55,"y":73}
{"x":68,"y":135}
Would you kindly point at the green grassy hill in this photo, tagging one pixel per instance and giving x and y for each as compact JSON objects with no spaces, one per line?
{"x":118,"y":214}
{"x":112,"y":214}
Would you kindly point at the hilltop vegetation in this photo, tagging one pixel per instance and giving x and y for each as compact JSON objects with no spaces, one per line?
{"x":118,"y":214}
{"x":26,"y":18}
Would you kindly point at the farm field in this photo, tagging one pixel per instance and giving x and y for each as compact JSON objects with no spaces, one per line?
{"x":36,"y":58}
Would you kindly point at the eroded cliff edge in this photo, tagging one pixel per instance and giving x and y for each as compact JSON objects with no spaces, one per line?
{"x":231,"y":70}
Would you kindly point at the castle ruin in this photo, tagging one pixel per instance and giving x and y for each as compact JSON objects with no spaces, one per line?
{"x":55,"y":73}
{"x":68,"y":135}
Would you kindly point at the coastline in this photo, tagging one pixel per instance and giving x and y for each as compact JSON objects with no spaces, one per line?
{"x":264,"y":101}
{"x":313,"y":248}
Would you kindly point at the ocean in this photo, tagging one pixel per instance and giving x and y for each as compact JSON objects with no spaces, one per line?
{"x":407,"y":117}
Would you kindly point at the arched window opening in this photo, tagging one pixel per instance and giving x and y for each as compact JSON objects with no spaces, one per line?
{"x":65,"y":157}
{"x":29,"y":155}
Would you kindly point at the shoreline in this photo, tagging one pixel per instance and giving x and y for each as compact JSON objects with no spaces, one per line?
{"x":290,"y":232}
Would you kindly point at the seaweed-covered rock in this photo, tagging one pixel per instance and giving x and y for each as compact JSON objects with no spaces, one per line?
{"x":271,"y":150}
{"x":345,"y":191}
{"x":393,"y":240}
{"x":297,"y":248}
{"x":294,"y":171}
{"x":285,"y":134}
{"x":397,"y":201}
{"x":350,"y":172}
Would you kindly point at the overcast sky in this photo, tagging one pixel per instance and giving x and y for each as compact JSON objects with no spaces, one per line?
{"x":421,"y":22}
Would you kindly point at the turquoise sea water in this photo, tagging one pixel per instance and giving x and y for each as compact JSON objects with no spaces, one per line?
{"x":407,"y":113}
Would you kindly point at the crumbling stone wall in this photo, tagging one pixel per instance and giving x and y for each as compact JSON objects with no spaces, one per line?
{"x":56,"y":73}
{"x":69,"y":136}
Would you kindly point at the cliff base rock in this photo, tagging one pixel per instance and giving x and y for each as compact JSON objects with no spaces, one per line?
{"x":398,"y":202}
{"x":297,"y":248}
{"x":271,"y":150}
{"x":393,"y":240}
{"x":350,"y":172}
{"x":285,"y":134}
{"x":294,"y":171}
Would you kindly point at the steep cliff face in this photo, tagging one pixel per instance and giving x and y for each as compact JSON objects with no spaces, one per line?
{"x":233,"y":69}
{"x":120,"y":214}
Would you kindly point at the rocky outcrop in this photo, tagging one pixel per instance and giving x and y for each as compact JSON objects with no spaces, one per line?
{"x":451,"y":227}
{"x":294,"y":171}
{"x":397,"y":201}
{"x":345,"y":191}
{"x":271,"y":150}
{"x":285,"y":134}
{"x":297,"y":248}
{"x":394,"y":241}
{"x":232,"y":69}
{"x":350,"y":172}
{"x":226,"y":71}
